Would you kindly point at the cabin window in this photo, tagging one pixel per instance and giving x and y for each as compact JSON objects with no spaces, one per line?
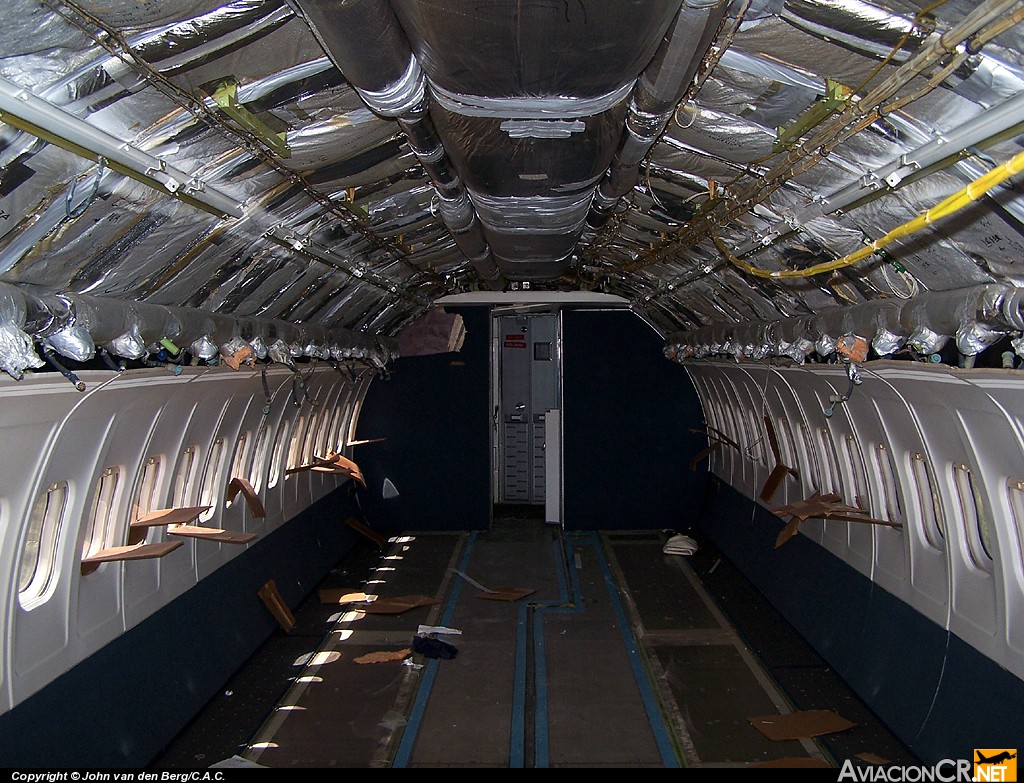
{"x":312,"y":433}
{"x":325,"y":436}
{"x":764,"y":446}
{"x":277,"y":459}
{"x":146,"y":499}
{"x":208,"y":487}
{"x":39,"y":553}
{"x":784,"y":435}
{"x":831,"y":480}
{"x":714,"y":417}
{"x":295,"y":449}
{"x":1015,"y":492}
{"x":184,"y":477}
{"x":259,"y":457}
{"x":238,"y":461}
{"x":857,"y":469}
{"x":752,"y":438}
{"x":733,"y":428}
{"x":102,"y":519}
{"x":887,"y":471}
{"x":973,"y":516}
{"x":353,"y":423}
{"x":809,"y":470}
{"x":927,"y":500}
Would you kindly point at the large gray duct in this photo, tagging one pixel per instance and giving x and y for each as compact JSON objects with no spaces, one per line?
{"x":365,"y":41}
{"x":655,"y":98}
{"x":515,"y":121}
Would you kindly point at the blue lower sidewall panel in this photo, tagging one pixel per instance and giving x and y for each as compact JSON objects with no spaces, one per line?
{"x":939,"y":695}
{"x":121,"y":706}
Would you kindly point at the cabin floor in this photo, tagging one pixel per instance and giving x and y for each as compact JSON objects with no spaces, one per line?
{"x":618,"y":655}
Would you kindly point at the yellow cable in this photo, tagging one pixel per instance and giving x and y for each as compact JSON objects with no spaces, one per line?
{"x":962,"y":198}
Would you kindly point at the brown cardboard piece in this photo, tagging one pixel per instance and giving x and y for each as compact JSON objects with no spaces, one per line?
{"x":212,"y":534}
{"x":800,"y":725}
{"x":238,"y":484}
{"x":384,"y":656}
{"x":367,"y":531}
{"x":170,"y":516}
{"x":275,"y":603}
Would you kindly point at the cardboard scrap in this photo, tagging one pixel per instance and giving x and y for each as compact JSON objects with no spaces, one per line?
{"x":800,"y":725}
{"x":275,"y":603}
{"x":367,"y":531}
{"x":384,"y":656}
{"x":170,"y":516}
{"x":243,"y":355}
{"x":798,"y":762}
{"x":507,"y":593}
{"x":252,"y":500}
{"x":827,"y":506}
{"x":435,"y":331}
{"x":397,"y":605}
{"x":334,"y":595}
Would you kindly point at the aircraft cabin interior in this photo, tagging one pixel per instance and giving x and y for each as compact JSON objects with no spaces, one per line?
{"x":512,"y":383}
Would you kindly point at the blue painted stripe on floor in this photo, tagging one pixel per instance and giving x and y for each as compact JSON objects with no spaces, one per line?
{"x":517,"y":738}
{"x":662,"y":735}
{"x":412,"y":728}
{"x":542,"y":747}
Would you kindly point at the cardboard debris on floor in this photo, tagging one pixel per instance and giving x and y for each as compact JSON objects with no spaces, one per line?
{"x":334,"y":595}
{"x":800,"y":725}
{"x":397,"y":605}
{"x":507,"y":593}
{"x":384,"y":656}
{"x":793,"y":763}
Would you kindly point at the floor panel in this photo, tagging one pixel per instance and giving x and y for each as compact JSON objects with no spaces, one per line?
{"x":619,"y":657}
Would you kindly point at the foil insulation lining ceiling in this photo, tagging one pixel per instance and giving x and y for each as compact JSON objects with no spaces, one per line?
{"x":734,"y":169}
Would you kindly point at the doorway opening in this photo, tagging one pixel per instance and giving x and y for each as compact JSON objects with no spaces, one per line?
{"x":526,"y":414}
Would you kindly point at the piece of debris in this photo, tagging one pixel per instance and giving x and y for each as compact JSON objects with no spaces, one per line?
{"x":334,"y":595}
{"x":275,"y":603}
{"x":507,"y":593}
{"x":237,"y":762}
{"x":397,"y":605}
{"x":679,"y":544}
{"x":800,"y":725}
{"x":433,"y":648}
{"x":497,"y":593}
{"x":438,"y":629}
{"x":384,"y":656}
{"x":827,"y":506}
{"x":367,"y":531}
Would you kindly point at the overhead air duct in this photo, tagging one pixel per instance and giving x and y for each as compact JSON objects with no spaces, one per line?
{"x":657,"y":94}
{"x":366,"y":42}
{"x":517,"y":128}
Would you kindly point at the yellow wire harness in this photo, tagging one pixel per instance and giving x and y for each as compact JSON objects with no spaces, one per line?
{"x":962,"y":198}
